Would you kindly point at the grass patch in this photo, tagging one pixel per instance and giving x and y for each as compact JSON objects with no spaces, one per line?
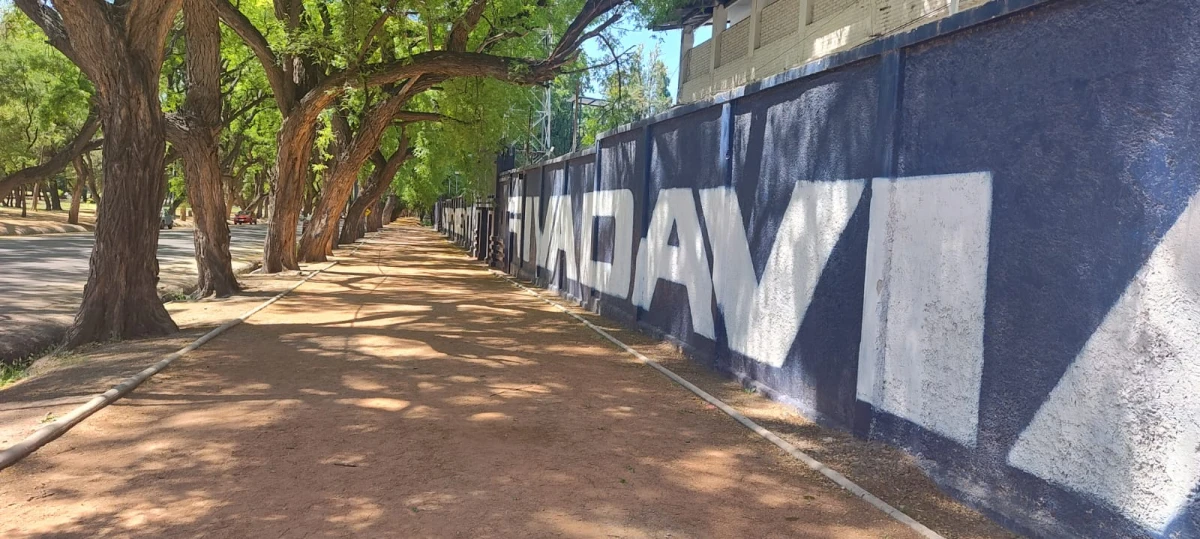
{"x":10,"y":373}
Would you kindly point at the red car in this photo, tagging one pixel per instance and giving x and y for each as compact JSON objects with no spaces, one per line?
{"x":245,"y":218}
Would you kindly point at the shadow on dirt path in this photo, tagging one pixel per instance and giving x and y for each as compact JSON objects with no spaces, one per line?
{"x":409,"y":393}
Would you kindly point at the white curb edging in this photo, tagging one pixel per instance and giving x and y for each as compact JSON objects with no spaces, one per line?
{"x":792,"y":450}
{"x":48,"y":433}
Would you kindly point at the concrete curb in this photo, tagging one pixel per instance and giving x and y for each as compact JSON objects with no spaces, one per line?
{"x":46,"y":434}
{"x":790,"y":449}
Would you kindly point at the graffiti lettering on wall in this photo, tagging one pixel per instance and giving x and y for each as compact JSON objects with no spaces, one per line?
{"x":928,"y":334}
{"x":921,"y":354}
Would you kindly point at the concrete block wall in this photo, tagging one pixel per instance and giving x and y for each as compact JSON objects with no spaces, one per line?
{"x":832,"y":26}
{"x":978,"y":241}
{"x":700,"y":60}
{"x":821,"y":9}
{"x":778,"y":19}
{"x":735,"y":42}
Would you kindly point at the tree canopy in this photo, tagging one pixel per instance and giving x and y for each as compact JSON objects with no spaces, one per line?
{"x":304,"y":112}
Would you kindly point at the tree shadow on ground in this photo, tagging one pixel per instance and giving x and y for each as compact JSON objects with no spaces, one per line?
{"x":392,"y":396}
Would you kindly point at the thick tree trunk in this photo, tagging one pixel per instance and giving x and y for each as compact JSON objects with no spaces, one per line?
{"x":202,"y":176}
{"x":82,"y":171}
{"x":121,"y":299}
{"x":120,"y":47}
{"x":294,"y":149}
{"x":198,"y":144}
{"x":55,"y":199}
{"x":353,"y":225}
{"x":377,"y":186}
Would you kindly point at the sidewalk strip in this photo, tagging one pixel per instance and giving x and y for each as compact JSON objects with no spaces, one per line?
{"x":48,"y":433}
{"x":792,"y":450}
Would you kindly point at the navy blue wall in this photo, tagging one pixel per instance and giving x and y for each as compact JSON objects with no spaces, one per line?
{"x":1084,"y":118}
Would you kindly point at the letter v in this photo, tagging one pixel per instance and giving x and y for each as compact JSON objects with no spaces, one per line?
{"x":762,"y":317}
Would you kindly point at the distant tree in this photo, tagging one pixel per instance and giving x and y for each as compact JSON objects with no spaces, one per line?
{"x":634,"y":88}
{"x":44,"y":106}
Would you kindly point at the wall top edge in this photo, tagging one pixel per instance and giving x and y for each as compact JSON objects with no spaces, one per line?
{"x":932,"y":30}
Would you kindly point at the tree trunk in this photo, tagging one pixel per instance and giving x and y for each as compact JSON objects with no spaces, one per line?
{"x":94,"y":190}
{"x":375,"y":217}
{"x":317,"y":243}
{"x":295,"y":141}
{"x":55,"y":197}
{"x":120,"y":47}
{"x":81,"y":175}
{"x":121,"y":299}
{"x":231,"y":195}
{"x":378,"y":185}
{"x":198,"y":144}
{"x":389,"y":210}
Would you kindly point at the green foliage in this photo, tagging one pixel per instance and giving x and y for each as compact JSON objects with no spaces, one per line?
{"x":44,"y":98}
{"x":636,"y":88}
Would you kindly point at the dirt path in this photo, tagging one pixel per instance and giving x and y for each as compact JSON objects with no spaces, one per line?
{"x":411,"y":394}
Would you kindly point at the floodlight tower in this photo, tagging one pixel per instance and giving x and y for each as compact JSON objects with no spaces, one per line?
{"x":543,"y":117}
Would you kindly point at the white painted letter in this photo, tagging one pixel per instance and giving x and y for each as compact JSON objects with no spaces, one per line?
{"x":762,"y":318}
{"x":685,"y":264}
{"x":536,"y":237}
{"x":610,"y":278}
{"x":921,"y":354}
{"x":561,"y":236}
{"x":1123,"y":423}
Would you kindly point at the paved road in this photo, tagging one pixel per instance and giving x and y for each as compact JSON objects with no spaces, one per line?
{"x":42,"y":277}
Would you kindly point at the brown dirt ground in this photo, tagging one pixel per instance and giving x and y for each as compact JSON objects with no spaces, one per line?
{"x":41,"y":222}
{"x":408,"y":393}
{"x":887,"y":472}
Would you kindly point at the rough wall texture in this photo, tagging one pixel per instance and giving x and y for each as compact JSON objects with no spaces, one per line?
{"x":982,"y":246}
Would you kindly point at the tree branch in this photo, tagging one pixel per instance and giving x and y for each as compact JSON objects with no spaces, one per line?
{"x":80,"y":144}
{"x":51,"y":24}
{"x":576,"y":32}
{"x":460,"y":33}
{"x":281,"y":85}
{"x":147,"y":23}
{"x":412,"y":116}
{"x":375,"y":29}
{"x":237,"y":113}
